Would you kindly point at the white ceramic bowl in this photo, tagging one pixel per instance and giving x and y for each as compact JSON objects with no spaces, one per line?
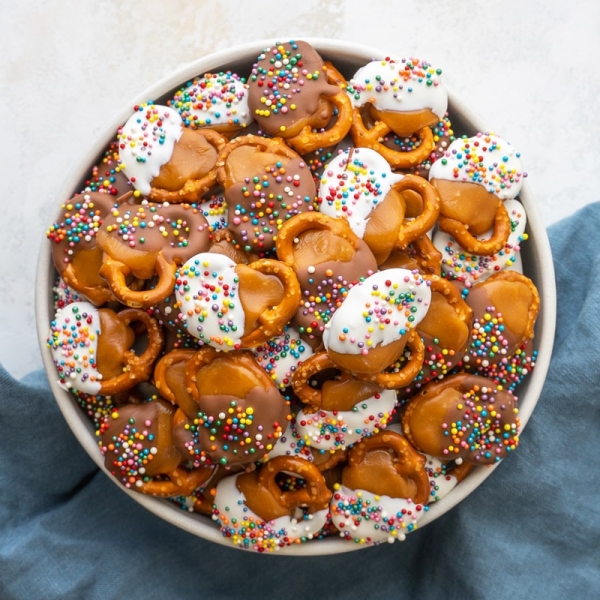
{"x":348,"y":57}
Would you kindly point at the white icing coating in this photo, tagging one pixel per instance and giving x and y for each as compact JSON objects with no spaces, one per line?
{"x":282,"y":354}
{"x":207,"y":291}
{"x":470,"y":269}
{"x":378,"y":311}
{"x":400,"y":86}
{"x":146,"y":143}
{"x":484,"y":159}
{"x":353,"y":184}
{"x":328,"y":430}
{"x":73,"y":341}
{"x":238,"y":521}
{"x":363,"y":517}
{"x":290,"y":444}
{"x":214,"y":99}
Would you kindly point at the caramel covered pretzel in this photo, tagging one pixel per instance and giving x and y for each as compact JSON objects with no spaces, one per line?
{"x":265,"y":183}
{"x":473,"y":178}
{"x":164,"y":160}
{"x":256,"y":514}
{"x":147,"y":241}
{"x":170,"y":380}
{"x":505,"y":308}
{"x":92,"y":348}
{"x":421,"y":254}
{"x":368,"y":332}
{"x":292,"y":93}
{"x":445,"y":329}
{"x":358,"y":185}
{"x":404,"y":97}
{"x":231,"y":306}
{"x":386,"y":476}
{"x":340,"y":411}
{"x":240,"y":413}
{"x":327,"y":257}
{"x":75,"y":253}
{"x":463,"y":416}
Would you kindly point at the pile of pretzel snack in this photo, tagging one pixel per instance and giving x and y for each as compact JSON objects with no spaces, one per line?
{"x":294,"y":302}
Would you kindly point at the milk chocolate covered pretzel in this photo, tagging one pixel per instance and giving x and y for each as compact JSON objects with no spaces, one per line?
{"x":241,"y":414}
{"x":327,"y":257}
{"x":147,"y":241}
{"x":265,"y":183}
{"x":293,"y":95}
{"x":463,"y":416}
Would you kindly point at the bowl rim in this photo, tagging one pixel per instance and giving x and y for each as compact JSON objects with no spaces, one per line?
{"x":540,"y":262}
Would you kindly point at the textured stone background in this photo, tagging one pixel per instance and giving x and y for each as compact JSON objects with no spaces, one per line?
{"x":530,"y":67}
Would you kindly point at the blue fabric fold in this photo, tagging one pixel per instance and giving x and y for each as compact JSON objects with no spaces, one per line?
{"x":531,"y":531}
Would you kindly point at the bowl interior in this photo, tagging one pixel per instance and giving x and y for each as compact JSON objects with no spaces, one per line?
{"x":348,"y":57}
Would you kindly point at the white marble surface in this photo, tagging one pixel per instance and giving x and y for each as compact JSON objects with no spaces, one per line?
{"x":528,"y":66}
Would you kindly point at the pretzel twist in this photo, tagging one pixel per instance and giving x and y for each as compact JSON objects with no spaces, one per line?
{"x":193,"y":189}
{"x":179,"y":482}
{"x":309,"y":139}
{"x":460,"y":232}
{"x":273,"y":320}
{"x":399,"y":379}
{"x":177,"y":358}
{"x":370,"y":138}
{"x":136,"y":368}
{"x":410,"y":464}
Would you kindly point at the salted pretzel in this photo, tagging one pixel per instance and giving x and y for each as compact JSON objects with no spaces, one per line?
{"x":382,"y":492}
{"x":170,"y":380}
{"x":137,"y":443}
{"x":92,"y":348}
{"x":149,"y":241}
{"x":295,"y":96}
{"x":265,"y":182}
{"x":340,"y":411}
{"x":311,"y":137}
{"x":327,"y":257}
{"x":372,"y":137}
{"x":75,"y":253}
{"x":505,"y":308}
{"x":165,"y":161}
{"x":240,"y":414}
{"x":369,"y":331}
{"x":232,"y":306}
{"x":421,"y":254}
{"x":463,"y":416}
{"x":256,"y":514}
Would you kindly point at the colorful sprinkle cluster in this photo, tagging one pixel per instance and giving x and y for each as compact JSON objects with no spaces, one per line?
{"x":232,"y":432}
{"x":215,"y":99}
{"x":80,"y":223}
{"x":131,"y":450}
{"x":108,"y":174}
{"x":355,"y":512}
{"x":402,"y":75}
{"x":488,"y":343}
{"x":488,"y":161}
{"x":267,"y":200}
{"x":281,"y":355}
{"x":214,"y":209}
{"x":282,"y":79}
{"x":484,"y":425}
{"x":73,"y":340}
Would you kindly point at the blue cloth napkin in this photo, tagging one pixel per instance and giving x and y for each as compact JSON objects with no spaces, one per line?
{"x":531,"y":531}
